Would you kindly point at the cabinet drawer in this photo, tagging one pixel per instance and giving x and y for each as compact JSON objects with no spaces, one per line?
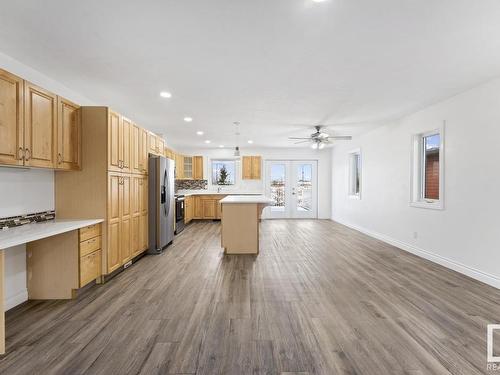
{"x":90,"y":267}
{"x":90,"y":231}
{"x":89,"y":246}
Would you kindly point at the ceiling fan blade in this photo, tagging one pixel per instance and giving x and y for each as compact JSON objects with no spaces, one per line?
{"x":299,"y":137}
{"x":296,"y":143}
{"x":341,"y":137}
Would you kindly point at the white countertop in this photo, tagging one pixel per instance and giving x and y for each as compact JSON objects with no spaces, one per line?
{"x":36,"y":231}
{"x":214,"y":192}
{"x":260,"y":199}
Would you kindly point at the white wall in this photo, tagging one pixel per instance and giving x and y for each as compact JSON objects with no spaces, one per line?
{"x":463,"y":236}
{"x":26,"y":190}
{"x":324,"y":168}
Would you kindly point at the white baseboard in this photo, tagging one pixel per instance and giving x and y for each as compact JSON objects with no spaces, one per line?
{"x":16,"y":299}
{"x":445,"y":262}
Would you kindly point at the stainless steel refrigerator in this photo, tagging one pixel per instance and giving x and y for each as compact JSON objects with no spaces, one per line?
{"x":161,"y":203}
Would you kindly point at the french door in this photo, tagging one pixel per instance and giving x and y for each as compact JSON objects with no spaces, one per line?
{"x":292,"y":184}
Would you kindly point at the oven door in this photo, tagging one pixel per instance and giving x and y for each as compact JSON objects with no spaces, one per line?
{"x":179,"y":209}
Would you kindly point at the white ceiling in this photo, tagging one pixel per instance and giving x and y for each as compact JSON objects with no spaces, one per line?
{"x":273,"y":65}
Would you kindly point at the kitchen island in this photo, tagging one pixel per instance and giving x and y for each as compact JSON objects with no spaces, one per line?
{"x":240,"y":216}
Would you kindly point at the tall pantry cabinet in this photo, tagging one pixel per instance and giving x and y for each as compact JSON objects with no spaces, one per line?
{"x":112,"y":184}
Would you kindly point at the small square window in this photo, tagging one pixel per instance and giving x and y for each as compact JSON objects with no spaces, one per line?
{"x":223,"y":172}
{"x":355,"y":174}
{"x":428,"y":168}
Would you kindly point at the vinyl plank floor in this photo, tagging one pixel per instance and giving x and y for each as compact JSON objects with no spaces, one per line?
{"x":320,"y":298}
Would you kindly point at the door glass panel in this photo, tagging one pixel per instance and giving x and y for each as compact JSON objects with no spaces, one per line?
{"x":278,"y":176}
{"x":304,"y":187}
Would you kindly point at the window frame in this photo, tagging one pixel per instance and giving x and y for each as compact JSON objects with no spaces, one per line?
{"x":417,"y":172}
{"x":351,"y":193}
{"x":234,"y":160}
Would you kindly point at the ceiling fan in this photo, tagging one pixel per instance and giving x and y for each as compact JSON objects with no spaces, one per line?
{"x":319,"y":139}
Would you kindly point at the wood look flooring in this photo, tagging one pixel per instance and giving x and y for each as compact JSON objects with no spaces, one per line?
{"x":319,"y":299}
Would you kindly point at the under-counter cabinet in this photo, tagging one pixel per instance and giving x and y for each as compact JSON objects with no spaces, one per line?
{"x":38,"y":128}
{"x":59,"y":265}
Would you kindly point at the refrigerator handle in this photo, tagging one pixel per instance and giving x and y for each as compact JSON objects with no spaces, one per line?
{"x":166,"y":206}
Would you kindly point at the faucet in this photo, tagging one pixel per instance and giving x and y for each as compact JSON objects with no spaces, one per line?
{"x":219,"y":189}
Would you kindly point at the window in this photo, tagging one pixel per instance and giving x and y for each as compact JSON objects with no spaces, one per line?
{"x":223,"y":172}
{"x":355,"y":174}
{"x":427,"y":174}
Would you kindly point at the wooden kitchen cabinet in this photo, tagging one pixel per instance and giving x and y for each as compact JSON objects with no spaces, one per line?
{"x":40,"y":127}
{"x":113,"y":126}
{"x":251,"y":167}
{"x":68,"y":135}
{"x":197,"y":162}
{"x":152,"y":143}
{"x":160,"y":146}
{"x":124,"y":145}
{"x":188,"y":209}
{"x":37,"y":127}
{"x":118,"y":195}
{"x":143,"y":150}
{"x":11,"y":119}
{"x":179,"y":166}
{"x":209,"y":208}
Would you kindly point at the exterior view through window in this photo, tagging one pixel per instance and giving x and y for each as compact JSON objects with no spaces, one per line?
{"x":304,"y":187}
{"x":355,"y":174}
{"x":278,"y":176}
{"x":223,"y":172}
{"x":430,"y":173}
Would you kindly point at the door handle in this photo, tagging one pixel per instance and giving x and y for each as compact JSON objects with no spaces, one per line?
{"x":27,"y":154}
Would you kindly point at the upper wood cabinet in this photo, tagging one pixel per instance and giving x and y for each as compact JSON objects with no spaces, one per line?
{"x":197,"y":167}
{"x":152,"y":145}
{"x":11,"y":119}
{"x":160,"y":146}
{"x":143,"y":150}
{"x":135,"y":152}
{"x":40,"y":127}
{"x":179,"y":166}
{"x":68,"y":135}
{"x":251,"y":167}
{"x":124,"y":146}
{"x":37,"y":127}
{"x":169,"y":153}
{"x":114,"y":124}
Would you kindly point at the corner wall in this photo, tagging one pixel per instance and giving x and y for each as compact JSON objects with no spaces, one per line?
{"x":465,"y":235}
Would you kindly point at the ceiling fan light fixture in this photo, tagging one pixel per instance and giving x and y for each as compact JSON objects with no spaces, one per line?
{"x":314,"y":146}
{"x":321,"y":146}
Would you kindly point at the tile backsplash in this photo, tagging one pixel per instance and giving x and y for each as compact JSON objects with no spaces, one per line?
{"x":15,"y":221}
{"x":190,"y":184}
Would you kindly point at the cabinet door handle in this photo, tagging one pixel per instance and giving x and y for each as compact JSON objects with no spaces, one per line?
{"x":21,"y":153}
{"x":27,"y":154}
{"x":59,"y":158}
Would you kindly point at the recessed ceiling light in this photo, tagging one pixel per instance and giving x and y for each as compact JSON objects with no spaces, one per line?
{"x":165,"y":94}
{"x":207,"y":141}
{"x":221,"y":146}
{"x":188,"y":119}
{"x":250,"y":141}
{"x":199,"y":132}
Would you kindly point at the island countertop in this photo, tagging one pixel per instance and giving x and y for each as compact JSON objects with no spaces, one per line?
{"x":255,"y":199}
{"x":36,"y":231}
